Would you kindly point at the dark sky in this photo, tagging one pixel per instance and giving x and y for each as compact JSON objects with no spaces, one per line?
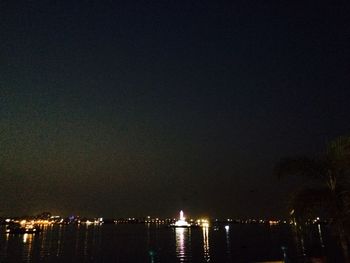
{"x":148,"y":107}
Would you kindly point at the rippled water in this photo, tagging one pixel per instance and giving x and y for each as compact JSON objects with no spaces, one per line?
{"x":151,"y":243}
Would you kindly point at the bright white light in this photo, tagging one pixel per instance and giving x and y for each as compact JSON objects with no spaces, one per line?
{"x":182,"y":215}
{"x":182,"y":221}
{"x":227,"y":228}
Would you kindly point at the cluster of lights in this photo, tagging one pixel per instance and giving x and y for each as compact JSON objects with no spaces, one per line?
{"x":44,"y":220}
{"x":54,"y":220}
{"x":97,"y":221}
{"x":22,"y":226}
{"x":157,"y":220}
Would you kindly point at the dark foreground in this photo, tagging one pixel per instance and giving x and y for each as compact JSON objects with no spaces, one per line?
{"x":151,"y":243}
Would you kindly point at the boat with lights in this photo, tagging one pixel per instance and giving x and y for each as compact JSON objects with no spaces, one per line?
{"x":181,"y":222}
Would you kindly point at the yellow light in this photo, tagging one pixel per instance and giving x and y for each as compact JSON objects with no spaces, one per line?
{"x":203,"y":222}
{"x":273,"y":222}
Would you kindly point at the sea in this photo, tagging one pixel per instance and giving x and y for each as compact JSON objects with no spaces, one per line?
{"x":159,"y":243}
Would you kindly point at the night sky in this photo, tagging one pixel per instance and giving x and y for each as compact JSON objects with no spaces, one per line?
{"x":148,"y":107}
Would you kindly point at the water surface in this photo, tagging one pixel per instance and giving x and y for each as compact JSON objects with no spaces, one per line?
{"x":157,"y":243}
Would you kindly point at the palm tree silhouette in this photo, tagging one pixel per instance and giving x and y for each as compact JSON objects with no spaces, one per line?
{"x":329,"y":190}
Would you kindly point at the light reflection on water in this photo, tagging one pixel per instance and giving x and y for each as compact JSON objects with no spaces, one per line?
{"x":28,"y":247}
{"x":59,"y":240}
{"x":206,"y":243}
{"x":320,"y":234}
{"x":45,"y":240}
{"x":142,"y":243}
{"x":85,"y":245}
{"x":183,"y":244}
{"x":228,"y":245}
{"x":180,"y":243}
